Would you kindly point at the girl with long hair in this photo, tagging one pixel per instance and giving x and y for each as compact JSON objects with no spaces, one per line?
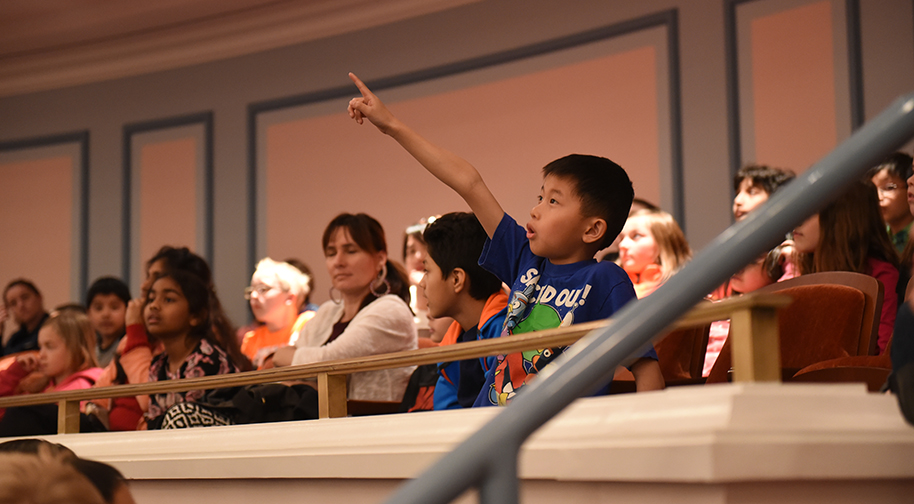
{"x":653,"y":248}
{"x":849,"y":235}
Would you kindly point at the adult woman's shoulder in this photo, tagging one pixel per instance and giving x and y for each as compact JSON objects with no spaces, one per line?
{"x":391,"y":308}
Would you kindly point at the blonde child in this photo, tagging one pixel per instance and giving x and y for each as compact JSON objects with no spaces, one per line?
{"x":65,"y":359}
{"x":652,"y":249}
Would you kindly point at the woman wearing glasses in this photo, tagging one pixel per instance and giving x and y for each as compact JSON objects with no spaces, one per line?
{"x":367,"y":314}
{"x":277,"y":290}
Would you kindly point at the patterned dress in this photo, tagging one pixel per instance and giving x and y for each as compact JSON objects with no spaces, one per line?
{"x":205,"y":360}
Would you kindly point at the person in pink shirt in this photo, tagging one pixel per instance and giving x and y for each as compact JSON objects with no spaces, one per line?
{"x":66,"y":359}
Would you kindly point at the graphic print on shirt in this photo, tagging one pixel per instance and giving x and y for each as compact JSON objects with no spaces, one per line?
{"x":535,"y":308}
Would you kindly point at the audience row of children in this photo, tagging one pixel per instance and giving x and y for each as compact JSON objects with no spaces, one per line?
{"x":178,"y":329}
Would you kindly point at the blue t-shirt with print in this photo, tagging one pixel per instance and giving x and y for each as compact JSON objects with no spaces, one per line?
{"x":544,"y":296}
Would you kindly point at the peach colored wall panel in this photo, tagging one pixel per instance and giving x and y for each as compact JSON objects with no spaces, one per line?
{"x":36,"y":221}
{"x":320,"y":166}
{"x":168,"y":195}
{"x":793,"y":85}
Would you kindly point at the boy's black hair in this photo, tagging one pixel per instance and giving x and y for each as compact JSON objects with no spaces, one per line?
{"x":898,"y":164}
{"x":603,"y":186}
{"x":108,"y":285}
{"x":769,"y":178}
{"x":455,"y":240}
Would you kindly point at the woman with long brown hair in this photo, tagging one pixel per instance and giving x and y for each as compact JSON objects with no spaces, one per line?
{"x":368,"y":312}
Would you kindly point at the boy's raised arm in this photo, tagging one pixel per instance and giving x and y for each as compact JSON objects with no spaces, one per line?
{"x":449,"y":168}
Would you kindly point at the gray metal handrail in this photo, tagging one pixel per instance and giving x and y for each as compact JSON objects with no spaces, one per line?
{"x":488,"y":459}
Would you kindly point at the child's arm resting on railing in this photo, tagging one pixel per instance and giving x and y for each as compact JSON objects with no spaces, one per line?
{"x":449,"y":168}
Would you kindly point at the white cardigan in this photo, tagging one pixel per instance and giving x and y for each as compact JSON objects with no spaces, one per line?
{"x":385,"y":325}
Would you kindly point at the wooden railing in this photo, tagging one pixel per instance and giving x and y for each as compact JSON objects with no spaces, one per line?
{"x":753,"y":326}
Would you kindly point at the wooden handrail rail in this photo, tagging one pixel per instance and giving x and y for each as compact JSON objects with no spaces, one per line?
{"x":329,"y":373}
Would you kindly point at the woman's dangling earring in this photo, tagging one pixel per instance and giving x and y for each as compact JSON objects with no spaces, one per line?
{"x":381,"y":279}
{"x":335,"y":300}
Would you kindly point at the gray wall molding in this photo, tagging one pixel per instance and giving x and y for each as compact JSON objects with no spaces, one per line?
{"x":82,"y":139}
{"x":204,"y":119}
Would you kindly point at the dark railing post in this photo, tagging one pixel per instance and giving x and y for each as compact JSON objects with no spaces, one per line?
{"x":592,"y":360}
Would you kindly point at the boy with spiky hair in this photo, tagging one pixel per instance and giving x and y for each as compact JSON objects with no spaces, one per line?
{"x":457,"y":287}
{"x":754,"y":184}
{"x":549,"y":264}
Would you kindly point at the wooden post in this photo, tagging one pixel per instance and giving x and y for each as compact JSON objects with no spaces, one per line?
{"x":331,"y":395}
{"x":68,"y":417}
{"x":755,"y":346}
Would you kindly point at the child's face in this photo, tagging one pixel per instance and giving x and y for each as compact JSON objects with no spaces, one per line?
{"x":415,"y":254}
{"x":893,"y":201}
{"x":439,"y":291}
{"x":806,"y":235}
{"x":107,"y":314}
{"x":910,"y":194}
{"x":23,"y":304}
{"x":268,"y":301}
{"x":748,"y":198}
{"x":750,"y":278}
{"x":638,"y":248}
{"x":167,"y":312}
{"x":54,"y":359}
{"x":557,"y":226}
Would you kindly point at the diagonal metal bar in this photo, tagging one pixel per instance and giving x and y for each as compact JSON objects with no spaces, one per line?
{"x":488,"y":459}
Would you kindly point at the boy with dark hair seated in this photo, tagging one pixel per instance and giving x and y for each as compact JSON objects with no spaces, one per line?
{"x":457,"y":287}
{"x":890,"y":178}
{"x":549,"y":265}
{"x":754,"y":184}
{"x":106,"y":306}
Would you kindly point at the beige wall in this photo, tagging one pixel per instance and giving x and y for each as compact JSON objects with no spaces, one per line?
{"x":227,"y":88}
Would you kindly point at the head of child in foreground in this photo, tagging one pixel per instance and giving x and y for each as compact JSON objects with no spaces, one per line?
{"x":890,"y":178}
{"x":652,"y":237}
{"x":582,"y":207}
{"x":277,"y":290}
{"x":754,"y":184}
{"x":454,"y":242}
{"x":66,"y":345}
{"x":177,"y":306}
{"x":107,"y":300}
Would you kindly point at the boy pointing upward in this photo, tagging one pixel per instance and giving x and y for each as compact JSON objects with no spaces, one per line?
{"x":583,"y":204}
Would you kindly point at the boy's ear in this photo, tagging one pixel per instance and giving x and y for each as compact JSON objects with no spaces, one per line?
{"x":596,"y":228}
{"x":458,"y":280}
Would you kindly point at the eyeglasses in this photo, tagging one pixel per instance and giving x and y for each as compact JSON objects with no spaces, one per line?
{"x":261,"y":291}
{"x":888,"y":188}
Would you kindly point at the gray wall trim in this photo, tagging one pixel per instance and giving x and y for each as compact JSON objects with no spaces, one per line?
{"x":855,"y":63}
{"x":81,"y":138}
{"x":854,"y":70}
{"x":668,"y":19}
{"x":206,"y":120}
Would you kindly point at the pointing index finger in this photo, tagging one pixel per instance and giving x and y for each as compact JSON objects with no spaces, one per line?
{"x":359,"y":84}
